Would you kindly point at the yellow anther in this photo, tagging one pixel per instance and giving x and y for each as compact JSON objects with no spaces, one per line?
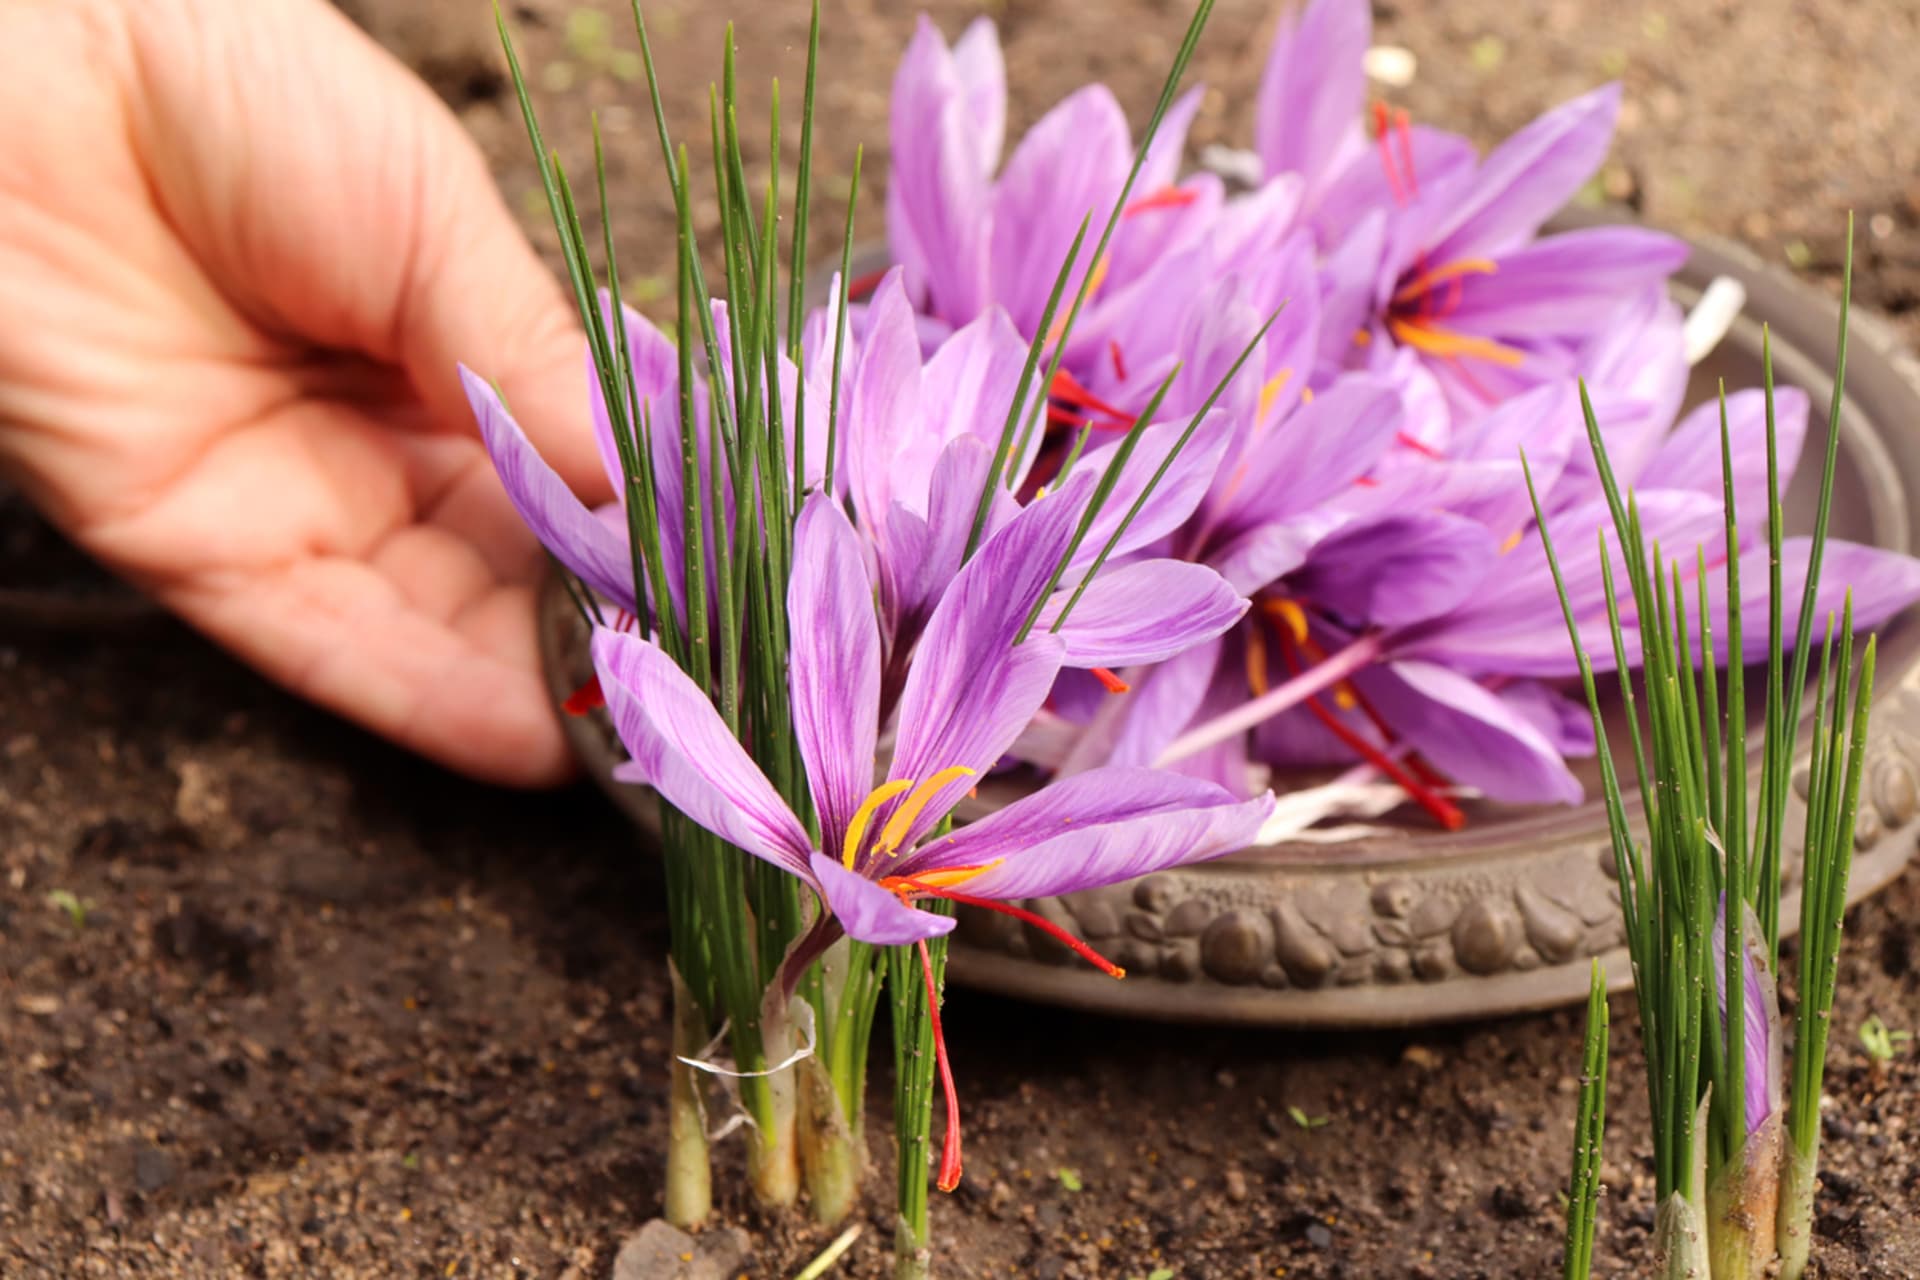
{"x":1293,"y":615}
{"x":1256,"y":661}
{"x":1435,"y":341}
{"x":953,"y":877}
{"x":1363,"y":337}
{"x":1440,"y":275}
{"x":850,"y":847}
{"x":1270,"y":393}
{"x":1344,"y":697}
{"x":896,"y":829}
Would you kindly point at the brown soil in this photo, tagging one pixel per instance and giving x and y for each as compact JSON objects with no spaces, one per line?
{"x":333,"y":1013}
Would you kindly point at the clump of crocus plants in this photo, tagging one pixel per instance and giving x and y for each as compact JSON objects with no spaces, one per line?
{"x":1735,"y":1149}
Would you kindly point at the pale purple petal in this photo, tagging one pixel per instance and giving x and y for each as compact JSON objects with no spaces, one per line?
{"x":971,"y":689}
{"x":1528,"y":178}
{"x":1398,"y":569}
{"x":1308,"y":109}
{"x":1760,"y":1041}
{"x":982,"y":74}
{"x":1562,"y":284}
{"x":1095,"y":829}
{"x":1691,"y":457}
{"x":1362,"y":185}
{"x":1469,"y":734}
{"x":834,"y":667}
{"x":1144,"y":612}
{"x":969,"y":384}
{"x":880,"y":435}
{"x":872,"y":914}
{"x":1882,"y":583}
{"x":683,"y":749}
{"x":1265,"y":553}
{"x":1071,"y":164}
{"x":656,"y":386}
{"x":1173,"y":494}
{"x":577,"y":538}
{"x":938,"y":198}
{"x":1160,"y":706}
{"x":1318,"y":451}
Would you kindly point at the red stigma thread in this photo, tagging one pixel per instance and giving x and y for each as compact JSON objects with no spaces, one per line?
{"x":1403,"y":129}
{"x":1419,"y":446}
{"x":1444,"y":811}
{"x":1119,"y":365}
{"x":862,"y":286}
{"x":1111,"y":682}
{"x":1041,"y":923}
{"x":948,"y":1176}
{"x":588,"y":697}
{"x":1383,"y":132}
{"x":1164,"y":198}
{"x":1075,"y":397}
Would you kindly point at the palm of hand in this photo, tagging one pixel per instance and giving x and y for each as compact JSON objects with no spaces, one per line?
{"x":244,"y":252}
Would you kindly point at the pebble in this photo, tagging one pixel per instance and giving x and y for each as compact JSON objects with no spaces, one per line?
{"x":1236,"y":1185}
{"x":1319,"y":1237}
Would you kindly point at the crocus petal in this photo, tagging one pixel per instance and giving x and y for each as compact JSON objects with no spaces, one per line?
{"x":1467,"y":733}
{"x":1144,"y":612}
{"x":969,"y":383}
{"x":971,"y":688}
{"x":1528,"y":178}
{"x":1762,"y":1052}
{"x":1398,"y":569}
{"x":938,"y":198}
{"x":834,"y":668}
{"x":1070,"y":165}
{"x":578,"y":539}
{"x":981,"y":70}
{"x":884,"y":394}
{"x":1318,"y":451}
{"x":872,"y":914}
{"x":1162,"y":704}
{"x":1882,"y":583}
{"x":683,"y":749}
{"x":656,"y":386}
{"x":1561,"y":284}
{"x":1308,"y":108}
{"x":1363,"y":185}
{"x":1264,"y":554}
{"x":1189,"y":470}
{"x":1094,"y":829}
{"x":1691,"y":458}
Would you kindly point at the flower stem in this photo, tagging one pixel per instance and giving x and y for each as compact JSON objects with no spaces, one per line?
{"x":1320,"y":676}
{"x":689,"y":1194}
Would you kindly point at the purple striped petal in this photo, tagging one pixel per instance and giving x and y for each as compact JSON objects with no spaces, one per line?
{"x":981,"y":71}
{"x":1469,"y":734}
{"x":1317,"y":452}
{"x":939,"y":196}
{"x":1398,"y":569}
{"x":1095,"y":829}
{"x":1071,"y":164}
{"x":1144,"y":612}
{"x":683,"y":749}
{"x":1563,"y":284}
{"x":884,"y":408}
{"x":1882,"y":584}
{"x":1527,"y":179}
{"x":1691,"y":458}
{"x":870,"y":913}
{"x":1761,"y":1049}
{"x":834,"y":668}
{"x":1307,"y":114}
{"x":971,"y":689}
{"x":1174,"y":494}
{"x":577,"y":538}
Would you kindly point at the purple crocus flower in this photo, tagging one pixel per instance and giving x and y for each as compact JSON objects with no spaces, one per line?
{"x":968,"y":239}
{"x":1427,"y":250}
{"x":1760,"y":1037}
{"x":971,"y":688}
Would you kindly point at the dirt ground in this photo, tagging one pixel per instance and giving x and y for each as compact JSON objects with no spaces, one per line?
{"x":318,"y":1009}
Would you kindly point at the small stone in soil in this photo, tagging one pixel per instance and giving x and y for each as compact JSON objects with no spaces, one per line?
{"x":661,"y":1251}
{"x":1319,"y":1237}
{"x":153,"y":1169}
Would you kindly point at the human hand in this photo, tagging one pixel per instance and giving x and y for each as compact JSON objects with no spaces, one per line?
{"x":241,"y":252}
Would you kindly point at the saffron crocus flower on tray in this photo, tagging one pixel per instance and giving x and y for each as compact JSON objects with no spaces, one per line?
{"x":971,"y":688}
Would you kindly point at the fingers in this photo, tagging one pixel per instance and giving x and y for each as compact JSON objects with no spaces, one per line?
{"x":455,"y":680}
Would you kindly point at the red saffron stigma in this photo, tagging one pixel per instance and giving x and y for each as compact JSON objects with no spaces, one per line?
{"x":1404,"y":129}
{"x":861,"y":286}
{"x":948,"y":1176}
{"x":1419,"y":446}
{"x":1164,"y":198}
{"x":1067,"y":388}
{"x":1119,"y":365}
{"x":588,"y":697}
{"x":1383,"y":130}
{"x":1041,"y":923}
{"x":1110,"y":682}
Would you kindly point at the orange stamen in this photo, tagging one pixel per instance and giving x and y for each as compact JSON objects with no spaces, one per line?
{"x":587,"y":697}
{"x":1424,"y":280}
{"x":1435,"y":341}
{"x":1111,"y":682}
{"x":949,"y":1175}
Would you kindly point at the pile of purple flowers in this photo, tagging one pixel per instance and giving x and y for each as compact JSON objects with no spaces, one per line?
{"x":1369,"y":499}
